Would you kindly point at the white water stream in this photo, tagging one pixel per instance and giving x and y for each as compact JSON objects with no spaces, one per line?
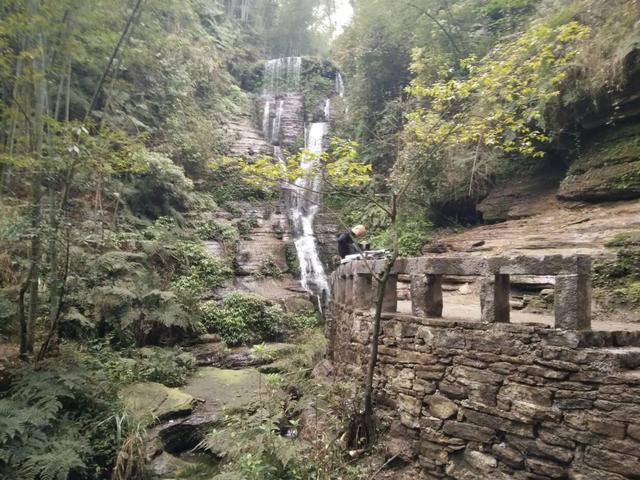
{"x":305,"y":204}
{"x":283,"y":75}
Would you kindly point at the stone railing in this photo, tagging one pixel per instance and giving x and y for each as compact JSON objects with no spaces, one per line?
{"x":460,"y":399}
{"x":353,"y":285}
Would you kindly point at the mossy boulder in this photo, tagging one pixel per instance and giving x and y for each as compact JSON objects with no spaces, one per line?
{"x":151,"y":402}
{"x":608,"y":170}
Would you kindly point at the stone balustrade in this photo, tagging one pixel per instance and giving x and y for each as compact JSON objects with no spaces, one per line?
{"x":353,"y":285}
{"x":460,"y":399}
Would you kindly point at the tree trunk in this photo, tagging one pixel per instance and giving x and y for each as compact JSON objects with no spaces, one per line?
{"x":113,"y":57}
{"x":368,"y":417}
{"x":6,"y":171}
{"x":40,"y":93}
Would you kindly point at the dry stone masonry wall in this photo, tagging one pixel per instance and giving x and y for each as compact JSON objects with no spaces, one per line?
{"x":491,"y":399}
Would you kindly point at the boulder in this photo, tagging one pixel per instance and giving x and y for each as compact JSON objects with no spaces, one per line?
{"x":151,"y":402}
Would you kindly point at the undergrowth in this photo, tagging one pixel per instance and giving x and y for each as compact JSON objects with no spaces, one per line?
{"x":61,"y":420}
{"x":617,"y":281}
{"x":260,"y":442}
{"x":248,"y":318}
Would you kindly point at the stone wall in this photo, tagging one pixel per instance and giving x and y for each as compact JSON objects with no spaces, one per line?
{"x":475,"y":400}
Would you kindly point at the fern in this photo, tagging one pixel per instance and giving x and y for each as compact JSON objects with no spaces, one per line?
{"x":65,"y":455}
{"x":46,"y":421}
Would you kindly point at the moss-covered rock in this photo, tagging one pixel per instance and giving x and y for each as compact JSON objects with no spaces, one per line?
{"x":150,"y":402}
{"x":609,"y":169}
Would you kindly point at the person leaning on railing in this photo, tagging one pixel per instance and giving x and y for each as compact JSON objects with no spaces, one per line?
{"x":346,"y":244}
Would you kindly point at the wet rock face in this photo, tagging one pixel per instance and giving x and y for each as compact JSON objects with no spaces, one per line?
{"x":477,"y":401}
{"x":265,"y":245}
{"x":245,"y":140}
{"x":327,"y":229}
{"x":520,"y":199}
{"x":284,"y":121}
{"x":609,"y":168}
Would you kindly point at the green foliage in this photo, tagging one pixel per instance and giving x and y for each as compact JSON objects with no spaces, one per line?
{"x":268,"y":268}
{"x":53,"y":422}
{"x":223,"y":232}
{"x":205,"y":275}
{"x":162,"y":189}
{"x":248,"y":318}
{"x":619,"y":279}
{"x":340,"y":167}
{"x":291,"y":258}
{"x":412,"y":237}
{"x":245,"y":226}
{"x":255,"y":443}
{"x":630,"y":239}
{"x":512,"y":87}
{"x":169,"y":366}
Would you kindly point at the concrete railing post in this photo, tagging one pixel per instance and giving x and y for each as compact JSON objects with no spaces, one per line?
{"x":572,"y":302}
{"x":340,"y":291}
{"x":426,"y":295}
{"x":348,"y":286}
{"x":494,"y":299}
{"x":362,"y":291}
{"x":390,"y":300}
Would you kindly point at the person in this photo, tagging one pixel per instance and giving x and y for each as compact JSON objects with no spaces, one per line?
{"x":345,"y":240}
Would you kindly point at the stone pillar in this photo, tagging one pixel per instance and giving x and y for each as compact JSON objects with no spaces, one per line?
{"x":572,"y":302}
{"x":348,"y":290}
{"x":339,"y":286}
{"x":390,"y":300}
{"x":362,"y":291}
{"x":494,"y":299}
{"x":426,"y":295}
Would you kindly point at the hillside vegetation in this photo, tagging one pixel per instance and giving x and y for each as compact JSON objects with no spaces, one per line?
{"x":118,"y":121}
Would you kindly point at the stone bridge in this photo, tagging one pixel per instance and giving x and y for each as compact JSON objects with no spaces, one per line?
{"x":465,"y":399}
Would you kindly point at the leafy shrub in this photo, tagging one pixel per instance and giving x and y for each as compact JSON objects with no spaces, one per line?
{"x":135,"y":314}
{"x":169,"y":366}
{"x":413,"y":235}
{"x":163,"y":189}
{"x":245,"y":225}
{"x":291,"y":257}
{"x":219,"y":231}
{"x":201,"y":273}
{"x":620,"y":277}
{"x":268,"y":268}
{"x":248,"y":318}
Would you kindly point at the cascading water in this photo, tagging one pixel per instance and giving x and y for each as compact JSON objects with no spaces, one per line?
{"x":275,"y":131}
{"x":304,"y":206}
{"x":266,"y":119}
{"x":327,"y":110}
{"x":283,"y":75}
{"x":339,"y":85}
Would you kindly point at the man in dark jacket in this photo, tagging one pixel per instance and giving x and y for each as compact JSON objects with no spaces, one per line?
{"x":345,"y":240}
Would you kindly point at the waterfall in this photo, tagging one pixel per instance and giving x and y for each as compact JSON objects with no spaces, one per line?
{"x":275,"y":131}
{"x":339,"y":85}
{"x":283,"y":75}
{"x":266,"y":118}
{"x":327,"y":110}
{"x":304,"y":207}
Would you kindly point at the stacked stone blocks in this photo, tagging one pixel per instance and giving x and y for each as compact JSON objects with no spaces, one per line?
{"x":490,"y":399}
